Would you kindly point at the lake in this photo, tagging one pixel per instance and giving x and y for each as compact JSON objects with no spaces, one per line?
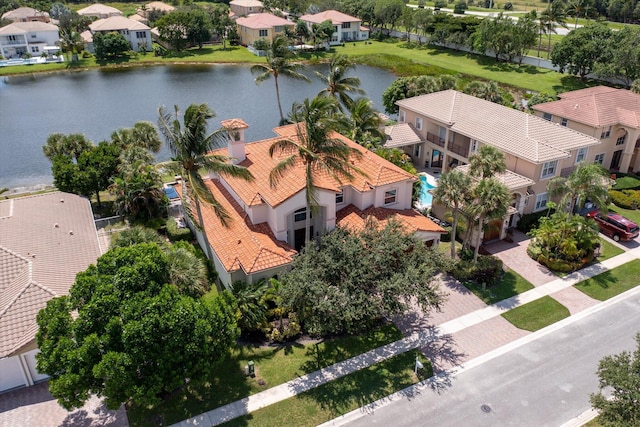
{"x":98,"y":102}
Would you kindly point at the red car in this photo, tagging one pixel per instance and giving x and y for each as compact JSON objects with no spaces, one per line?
{"x":615,"y":225}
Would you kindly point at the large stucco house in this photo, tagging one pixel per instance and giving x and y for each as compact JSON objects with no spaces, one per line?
{"x":608,"y":114}
{"x":261,"y":26}
{"x":347,"y":28}
{"x":34,"y":38}
{"x":442,"y":129}
{"x":26,"y":14}
{"x":267,"y":223}
{"x":245,"y":7}
{"x":137,"y":34}
{"x":45,"y":240}
{"x":99,"y":11}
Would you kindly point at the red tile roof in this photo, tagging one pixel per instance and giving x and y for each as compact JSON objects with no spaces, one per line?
{"x":332,"y":15}
{"x":263,"y":21}
{"x":353,"y":218}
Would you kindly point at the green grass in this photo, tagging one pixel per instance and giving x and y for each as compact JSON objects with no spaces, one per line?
{"x":613,"y":282}
{"x":608,"y":250}
{"x":339,"y":396}
{"x":511,"y":284}
{"x":274,"y":365}
{"x":626,"y":182}
{"x":632,"y":214}
{"x":537,"y":314}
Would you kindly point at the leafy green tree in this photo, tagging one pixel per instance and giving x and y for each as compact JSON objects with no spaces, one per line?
{"x":199,"y":30}
{"x":621,"y":57}
{"x":397,"y":157}
{"x":586,"y":182}
{"x":349,"y":281}
{"x":489,"y":91}
{"x":110,"y":45}
{"x":133,"y":337}
{"x":142,"y":134}
{"x":540,"y":98}
{"x":581,"y":49}
{"x":135,"y":235}
{"x":72,"y":145}
{"x":635,"y":86}
{"x":138,"y":191}
{"x":301,"y":31}
{"x":454,"y":190}
{"x":322,"y":32}
{"x":173,"y":28}
{"x":619,"y":373}
{"x":408,"y":87}
{"x":252,"y":310}
{"x":337,"y":83}
{"x":190,"y":146}
{"x":319,"y":151}
{"x":388,"y":13}
{"x":365,"y":123}
{"x":278,"y":63}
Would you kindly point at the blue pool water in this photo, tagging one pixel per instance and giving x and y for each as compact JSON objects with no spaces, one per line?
{"x":426,"y":199}
{"x":171,"y":193}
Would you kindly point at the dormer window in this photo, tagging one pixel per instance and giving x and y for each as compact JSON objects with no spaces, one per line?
{"x":390,"y":196}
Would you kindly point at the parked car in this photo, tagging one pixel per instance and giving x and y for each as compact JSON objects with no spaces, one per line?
{"x":615,"y":225}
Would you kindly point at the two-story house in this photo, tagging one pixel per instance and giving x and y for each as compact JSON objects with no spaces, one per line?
{"x":245,"y":7}
{"x":608,"y":114}
{"x":34,"y":38}
{"x":99,"y":11}
{"x":347,"y":28}
{"x":443,"y":129}
{"x":26,"y":14}
{"x":137,"y":34}
{"x":261,"y":26}
{"x":267,"y":224}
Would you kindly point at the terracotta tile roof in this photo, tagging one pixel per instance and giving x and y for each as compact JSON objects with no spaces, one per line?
{"x":401,"y":135}
{"x":262,"y":21}
{"x":242,"y":244}
{"x":355,"y":219}
{"x":247,"y":3}
{"x":45,"y":241}
{"x":512,"y":180}
{"x":512,"y":131}
{"x":158,"y":5}
{"x":100,"y":9}
{"x":234,"y":124}
{"x":597,"y":106}
{"x":378,"y":172}
{"x":27,"y":27}
{"x":333,"y":15}
{"x":115,"y":23}
{"x":23,"y":13}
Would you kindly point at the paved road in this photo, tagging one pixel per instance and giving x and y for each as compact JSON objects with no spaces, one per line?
{"x":545,"y":382}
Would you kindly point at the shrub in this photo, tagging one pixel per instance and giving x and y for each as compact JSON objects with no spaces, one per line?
{"x":439,"y":4}
{"x":460,"y":7}
{"x":175,"y":234}
{"x":534,"y":250}
{"x":530,"y":221}
{"x":508,"y":6}
{"x":626,"y":199}
{"x":487,"y":270}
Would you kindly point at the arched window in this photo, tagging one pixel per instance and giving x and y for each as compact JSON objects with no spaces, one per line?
{"x":301,"y":215}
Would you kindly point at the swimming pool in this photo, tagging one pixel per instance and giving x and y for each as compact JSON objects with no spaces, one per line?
{"x":426,"y":199}
{"x":171,"y":192}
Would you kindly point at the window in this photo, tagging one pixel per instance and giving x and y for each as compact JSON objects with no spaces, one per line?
{"x":35,"y":49}
{"x":418,"y":151}
{"x":419,"y":123}
{"x":564,"y":122}
{"x":442,"y":133}
{"x":474,"y":146}
{"x":340,"y":197}
{"x":263,"y":33}
{"x":33,"y":36}
{"x":581,"y":154}
{"x":12,"y":38}
{"x":390,"y":196}
{"x":346,"y":25}
{"x":549,"y":169}
{"x":141,"y":34}
{"x":547,"y":116}
{"x":401,"y":116}
{"x":599,"y":159}
{"x":606,"y":133}
{"x":621,"y":139}
{"x":541,"y":201}
{"x":301,"y":215}
{"x":278,"y":29}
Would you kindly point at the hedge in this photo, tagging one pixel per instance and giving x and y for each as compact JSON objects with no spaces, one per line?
{"x":626,"y":199}
{"x":175,"y":234}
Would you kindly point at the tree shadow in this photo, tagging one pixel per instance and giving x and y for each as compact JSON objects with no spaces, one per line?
{"x":25,"y":396}
{"x":443,"y":353}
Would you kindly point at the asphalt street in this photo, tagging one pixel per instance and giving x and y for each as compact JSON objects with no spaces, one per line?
{"x":545,"y":382}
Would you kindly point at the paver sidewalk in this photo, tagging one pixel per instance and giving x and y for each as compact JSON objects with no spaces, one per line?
{"x":419,"y":339}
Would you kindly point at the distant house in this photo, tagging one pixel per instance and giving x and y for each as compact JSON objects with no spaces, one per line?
{"x":34,"y":38}
{"x":267,"y":224}
{"x":347,"y":28}
{"x":261,"y":26}
{"x":137,"y":34}
{"x":26,"y":14}
{"x":99,"y":11}
{"x":245,"y":7}
{"x":155,"y":5}
{"x":611,"y":115}
{"x":45,"y":240}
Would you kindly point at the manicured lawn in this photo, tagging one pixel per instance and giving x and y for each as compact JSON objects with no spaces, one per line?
{"x":626,"y":182}
{"x":632,"y":214}
{"x":511,"y":284}
{"x":274,"y":366}
{"x":613,"y":282}
{"x":537,"y":314}
{"x":609,"y":250}
{"x":340,"y":396}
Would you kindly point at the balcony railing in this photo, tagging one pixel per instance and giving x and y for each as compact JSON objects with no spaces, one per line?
{"x":435,"y":139}
{"x":460,"y":150}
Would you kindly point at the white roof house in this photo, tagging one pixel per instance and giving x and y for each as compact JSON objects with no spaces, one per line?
{"x":347,"y":27}
{"x":99,"y":11}
{"x":31,"y":37}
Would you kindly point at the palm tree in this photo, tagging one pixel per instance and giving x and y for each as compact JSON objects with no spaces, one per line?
{"x":586,"y":182}
{"x":142,"y":134}
{"x":135,"y":235}
{"x":71,"y":42}
{"x":337,"y":83}
{"x":72,"y":145}
{"x":453,"y":190}
{"x":576,"y":7}
{"x":138,"y":190}
{"x":315,"y":148}
{"x":366,"y":123}
{"x":555,"y":15}
{"x":190,"y":146}
{"x":278,"y":63}
{"x":487,"y":162}
{"x":490,"y":201}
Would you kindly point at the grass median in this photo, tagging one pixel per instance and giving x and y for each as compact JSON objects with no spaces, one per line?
{"x":274,"y":365}
{"x":537,"y":314}
{"x":613,"y":282}
{"x":511,"y":284}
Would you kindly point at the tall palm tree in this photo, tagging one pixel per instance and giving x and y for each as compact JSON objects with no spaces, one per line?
{"x":366,"y":123}
{"x":142,"y":134}
{"x":586,"y":182}
{"x":72,"y":145}
{"x":577,"y":7}
{"x":315,"y":148}
{"x":337,"y":83}
{"x":454,"y":191}
{"x":71,"y":42}
{"x":487,"y":162}
{"x":278,"y":63}
{"x":490,"y":201}
{"x":190,"y":146}
{"x":555,"y":15}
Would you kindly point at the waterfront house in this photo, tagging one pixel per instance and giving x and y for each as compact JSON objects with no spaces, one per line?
{"x":608,"y":114}
{"x":136,"y":33}
{"x":267,"y":224}
{"x":45,"y":240}
{"x":33,"y":38}
{"x":261,"y":26}
{"x":99,"y":11}
{"x":347,"y":28}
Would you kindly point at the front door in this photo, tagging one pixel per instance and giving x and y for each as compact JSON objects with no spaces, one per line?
{"x":299,"y":238}
{"x":615,"y":161}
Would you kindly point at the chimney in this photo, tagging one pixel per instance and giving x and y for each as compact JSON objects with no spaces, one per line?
{"x":235,"y":142}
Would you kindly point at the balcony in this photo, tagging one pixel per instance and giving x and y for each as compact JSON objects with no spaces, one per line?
{"x":459,"y":150}
{"x":435,"y":139}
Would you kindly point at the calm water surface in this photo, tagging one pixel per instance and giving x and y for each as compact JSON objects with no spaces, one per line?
{"x":97,"y":102}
